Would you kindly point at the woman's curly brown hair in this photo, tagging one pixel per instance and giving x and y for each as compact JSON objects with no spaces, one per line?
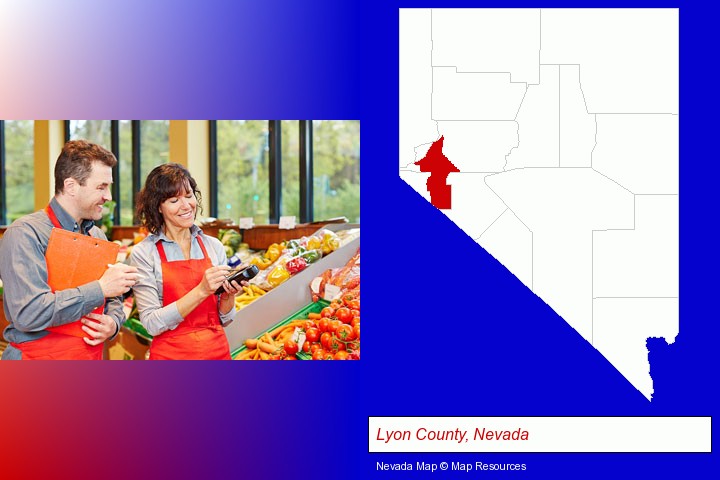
{"x":163,"y":182}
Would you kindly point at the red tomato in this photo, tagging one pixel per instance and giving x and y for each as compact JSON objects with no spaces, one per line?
{"x":318,"y":355}
{"x":290,"y":357}
{"x":336,"y":345}
{"x":327,"y":312}
{"x":312,"y":335}
{"x":334,"y":324}
{"x":353,"y":305}
{"x":328,"y":356}
{"x":341,"y":355}
{"x":291,"y":348}
{"x":356,"y":331}
{"x":355,"y":321}
{"x":343,"y":314}
{"x":325,"y":340}
{"x":353,"y":348}
{"x":356,"y":313}
{"x":309,"y":324}
{"x":323,"y":324}
{"x":306,"y":347}
{"x":344,"y":332}
{"x":314,"y":347}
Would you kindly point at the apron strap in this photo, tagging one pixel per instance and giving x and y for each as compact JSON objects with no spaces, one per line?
{"x":161,"y":251}
{"x":202,"y":247}
{"x":52,"y":216}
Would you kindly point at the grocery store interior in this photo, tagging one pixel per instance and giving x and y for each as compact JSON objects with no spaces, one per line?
{"x":282,"y":196}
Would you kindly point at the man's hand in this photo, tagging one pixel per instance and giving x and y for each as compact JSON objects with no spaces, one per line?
{"x":98,"y":327}
{"x":118,"y":279}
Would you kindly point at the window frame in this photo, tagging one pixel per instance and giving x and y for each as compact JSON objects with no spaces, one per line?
{"x":306,"y":172}
{"x":3,"y":217}
{"x":274,"y":170}
{"x":135,"y":163}
{"x":306,"y":179}
{"x":3,"y":176}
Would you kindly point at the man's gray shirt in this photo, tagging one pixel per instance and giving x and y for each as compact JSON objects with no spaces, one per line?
{"x":29,"y":303}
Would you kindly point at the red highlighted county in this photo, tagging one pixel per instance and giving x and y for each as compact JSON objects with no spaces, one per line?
{"x":439,"y":167}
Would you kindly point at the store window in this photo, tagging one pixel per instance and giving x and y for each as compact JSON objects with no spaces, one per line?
{"x":16,"y":169}
{"x":154,"y":145}
{"x":125,"y":167}
{"x":242,"y":170}
{"x":327,"y":150}
{"x":141,"y":146}
{"x":336,"y":169}
{"x":95,"y":131}
{"x":290,"y":168}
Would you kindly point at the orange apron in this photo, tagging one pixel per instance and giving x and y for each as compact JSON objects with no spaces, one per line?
{"x":200,"y":336}
{"x":66,"y":341}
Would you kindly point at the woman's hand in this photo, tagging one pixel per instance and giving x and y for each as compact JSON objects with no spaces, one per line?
{"x":232,"y":289}
{"x":227,"y":299}
{"x":213,"y":278}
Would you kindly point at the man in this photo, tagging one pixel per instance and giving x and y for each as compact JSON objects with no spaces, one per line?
{"x":40,"y":315}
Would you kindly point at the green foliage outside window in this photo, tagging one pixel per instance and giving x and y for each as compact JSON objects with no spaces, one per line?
{"x":243,"y":153}
{"x":19,"y":169}
{"x":336,"y":169}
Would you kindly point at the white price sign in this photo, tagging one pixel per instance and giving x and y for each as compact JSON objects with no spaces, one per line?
{"x":287,"y":223}
{"x":331,"y":292}
{"x":246,"y":223}
{"x":298,"y":337}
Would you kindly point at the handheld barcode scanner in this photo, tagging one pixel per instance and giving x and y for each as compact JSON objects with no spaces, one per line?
{"x":245,"y":273}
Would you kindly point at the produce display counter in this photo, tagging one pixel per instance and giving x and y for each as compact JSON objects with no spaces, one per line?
{"x":257,"y":238}
{"x":134,"y":325}
{"x":288,"y":301}
{"x":301,"y":314}
{"x":3,"y":323}
{"x":289,"y":296}
{"x":127,"y":345}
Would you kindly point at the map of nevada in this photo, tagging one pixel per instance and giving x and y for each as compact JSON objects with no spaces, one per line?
{"x":554,"y":145}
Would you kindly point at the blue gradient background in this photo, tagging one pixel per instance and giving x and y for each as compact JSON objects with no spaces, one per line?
{"x":471,"y":343}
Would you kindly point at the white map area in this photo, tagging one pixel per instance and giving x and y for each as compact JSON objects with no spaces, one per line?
{"x":564,"y":125}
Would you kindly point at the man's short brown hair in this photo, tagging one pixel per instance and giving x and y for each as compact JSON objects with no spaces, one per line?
{"x":76,"y":159}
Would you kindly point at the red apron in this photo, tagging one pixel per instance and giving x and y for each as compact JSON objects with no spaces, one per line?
{"x":64,"y":342}
{"x":200,"y":336}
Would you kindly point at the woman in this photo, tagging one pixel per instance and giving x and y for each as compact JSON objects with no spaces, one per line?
{"x":180,"y":269}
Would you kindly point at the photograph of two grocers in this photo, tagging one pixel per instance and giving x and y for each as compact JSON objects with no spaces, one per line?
{"x":180,"y":239}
